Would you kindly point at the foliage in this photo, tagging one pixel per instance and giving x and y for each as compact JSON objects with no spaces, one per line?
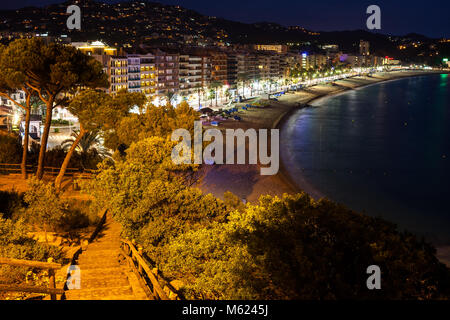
{"x":53,"y":71}
{"x":89,"y":150}
{"x":283,"y":248}
{"x":10,"y":149}
{"x":146,"y":193}
{"x":152,"y":121}
{"x":45,"y":207}
{"x":298,"y":248}
{"x":79,"y":216}
{"x":55,"y":157}
{"x":10,"y":201}
{"x":60,"y":122}
{"x":15,"y":243}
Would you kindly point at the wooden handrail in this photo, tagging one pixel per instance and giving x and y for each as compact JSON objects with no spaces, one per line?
{"x":8,"y":168}
{"x":50,"y":266}
{"x":34,"y":166}
{"x":31,"y":289}
{"x":30,"y":263}
{"x":143,"y":267}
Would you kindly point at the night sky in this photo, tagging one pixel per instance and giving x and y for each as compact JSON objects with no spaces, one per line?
{"x":399,"y":17}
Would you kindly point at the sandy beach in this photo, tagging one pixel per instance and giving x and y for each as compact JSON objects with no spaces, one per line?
{"x":245,"y":180}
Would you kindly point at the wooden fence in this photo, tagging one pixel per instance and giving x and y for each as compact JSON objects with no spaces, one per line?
{"x":50,"y":266}
{"x":14,"y":168}
{"x":146,"y":276}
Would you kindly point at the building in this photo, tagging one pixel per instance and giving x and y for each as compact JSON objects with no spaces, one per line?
{"x":268,"y":66}
{"x":364,"y":48}
{"x":279,"y":48}
{"x":219,"y":67}
{"x":312,"y":61}
{"x":95,"y":48}
{"x":190,"y":74}
{"x":146,"y":71}
{"x":231,"y":70}
{"x":117,"y":73}
{"x":167,"y":66}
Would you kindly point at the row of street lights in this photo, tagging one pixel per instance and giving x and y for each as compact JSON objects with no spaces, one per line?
{"x":257,"y":87}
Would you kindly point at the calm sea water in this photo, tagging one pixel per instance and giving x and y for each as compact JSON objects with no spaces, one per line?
{"x":383,"y":149}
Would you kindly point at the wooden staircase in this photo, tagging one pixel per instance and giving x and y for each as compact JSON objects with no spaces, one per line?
{"x":105,"y":275}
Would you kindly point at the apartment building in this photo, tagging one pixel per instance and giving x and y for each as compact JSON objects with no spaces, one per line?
{"x":364,"y":48}
{"x":232,"y":69}
{"x":309,"y":61}
{"x":219,"y":67}
{"x":167,"y":76}
{"x":190,"y":75}
{"x":247,"y":66}
{"x":147,"y":73}
{"x":117,"y":73}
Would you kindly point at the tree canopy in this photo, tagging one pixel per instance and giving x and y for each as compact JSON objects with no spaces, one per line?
{"x":54,"y":72}
{"x":281,"y":248}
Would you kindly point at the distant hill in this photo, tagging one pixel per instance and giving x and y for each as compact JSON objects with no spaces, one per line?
{"x":136,"y":22}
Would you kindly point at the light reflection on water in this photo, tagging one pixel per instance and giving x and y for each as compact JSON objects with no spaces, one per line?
{"x":383,"y":149}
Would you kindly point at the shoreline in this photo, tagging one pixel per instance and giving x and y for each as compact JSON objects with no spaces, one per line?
{"x":278,"y":124}
{"x":245,"y":180}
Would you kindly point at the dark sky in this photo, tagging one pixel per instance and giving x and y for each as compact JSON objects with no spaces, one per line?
{"x":430,"y":17}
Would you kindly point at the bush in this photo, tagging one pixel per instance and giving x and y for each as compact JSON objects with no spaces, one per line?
{"x":60,"y":122}
{"x":55,"y":158}
{"x":49,"y":212}
{"x":10,"y":149}
{"x":10,"y":201}
{"x":15,"y":243}
{"x":80,"y":215}
{"x":45,"y":208}
{"x":298,"y":248}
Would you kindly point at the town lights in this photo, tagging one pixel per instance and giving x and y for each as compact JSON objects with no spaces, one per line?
{"x":16,"y":119}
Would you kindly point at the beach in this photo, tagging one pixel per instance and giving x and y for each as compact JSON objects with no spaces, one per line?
{"x":245,"y":180}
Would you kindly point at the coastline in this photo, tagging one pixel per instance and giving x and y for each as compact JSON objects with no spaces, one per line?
{"x":245,"y":180}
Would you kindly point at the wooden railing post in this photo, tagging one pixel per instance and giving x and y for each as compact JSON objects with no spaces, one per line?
{"x":51,"y":279}
{"x":50,"y":266}
{"x":140,"y":266}
{"x":136,"y":256}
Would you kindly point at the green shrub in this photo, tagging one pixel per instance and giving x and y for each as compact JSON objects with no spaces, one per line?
{"x":15,"y":243}
{"x":60,"y":122}
{"x":10,"y":202}
{"x":45,"y":207}
{"x":298,"y":248}
{"x":10,"y":149}
{"x":80,"y":215}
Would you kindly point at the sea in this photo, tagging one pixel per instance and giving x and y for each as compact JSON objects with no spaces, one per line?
{"x":382,"y":150}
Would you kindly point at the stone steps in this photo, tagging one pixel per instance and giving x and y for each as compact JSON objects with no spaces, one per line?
{"x":102,"y":276}
{"x":100,"y":293}
{"x":104,"y":283}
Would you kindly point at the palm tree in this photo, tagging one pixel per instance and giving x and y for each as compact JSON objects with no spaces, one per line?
{"x":169,"y":95}
{"x":243,"y":78}
{"x":89,"y":143}
{"x":214,"y":86}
